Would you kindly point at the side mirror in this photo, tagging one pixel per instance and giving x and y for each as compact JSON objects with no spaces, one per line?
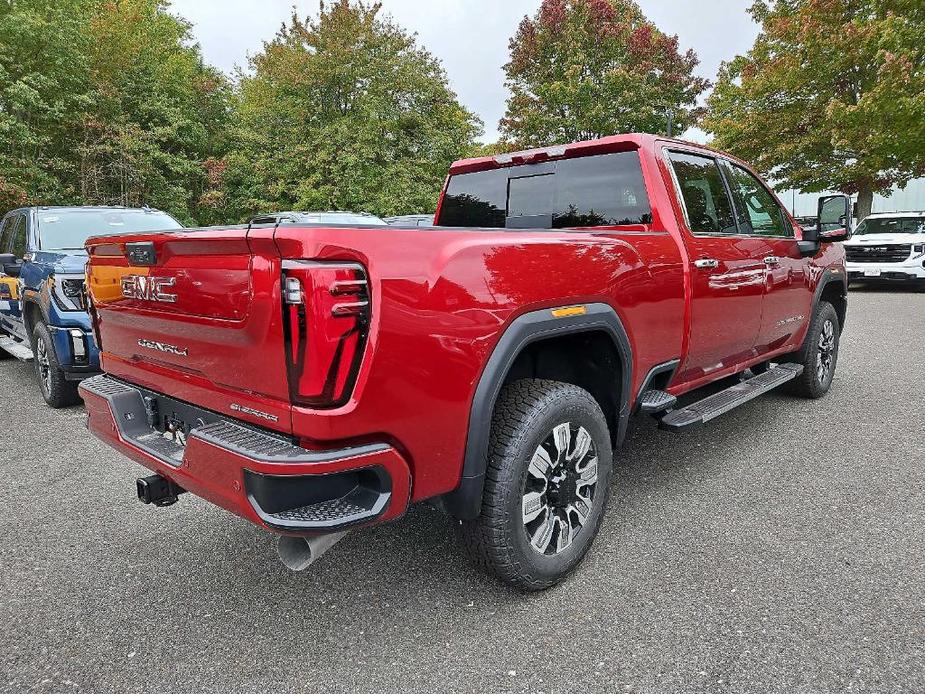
{"x":836,"y":222}
{"x":10,"y":264}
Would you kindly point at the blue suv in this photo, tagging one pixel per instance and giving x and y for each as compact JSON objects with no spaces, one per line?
{"x":42,"y":313}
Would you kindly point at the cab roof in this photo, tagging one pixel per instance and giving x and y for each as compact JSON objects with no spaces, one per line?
{"x":604,"y":145}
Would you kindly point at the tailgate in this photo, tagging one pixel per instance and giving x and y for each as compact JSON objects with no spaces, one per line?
{"x":195,"y":315}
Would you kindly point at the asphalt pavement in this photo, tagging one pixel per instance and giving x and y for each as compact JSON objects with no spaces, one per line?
{"x":781,"y":549}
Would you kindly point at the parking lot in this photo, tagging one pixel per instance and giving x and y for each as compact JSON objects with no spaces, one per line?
{"x":782,"y":549}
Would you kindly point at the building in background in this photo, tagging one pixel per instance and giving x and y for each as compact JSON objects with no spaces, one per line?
{"x":908,"y":199}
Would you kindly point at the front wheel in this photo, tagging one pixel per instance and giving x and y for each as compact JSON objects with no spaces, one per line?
{"x":56,"y":389}
{"x":819,"y":354}
{"x":547,"y":484}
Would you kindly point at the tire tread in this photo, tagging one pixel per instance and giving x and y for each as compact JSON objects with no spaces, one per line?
{"x":487,"y":539}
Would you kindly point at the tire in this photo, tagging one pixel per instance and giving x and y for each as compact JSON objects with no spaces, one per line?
{"x":818,"y":355}
{"x":525,"y":423}
{"x":3,"y":353}
{"x":57,"y":391}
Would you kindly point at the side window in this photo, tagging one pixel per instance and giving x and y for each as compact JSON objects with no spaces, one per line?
{"x":19,"y":236}
{"x":704,"y":194}
{"x":757,"y":210}
{"x":6,"y":233}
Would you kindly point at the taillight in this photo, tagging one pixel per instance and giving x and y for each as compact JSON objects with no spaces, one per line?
{"x":327,"y":312}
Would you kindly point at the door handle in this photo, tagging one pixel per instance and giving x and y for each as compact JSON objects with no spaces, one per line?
{"x":706,"y":263}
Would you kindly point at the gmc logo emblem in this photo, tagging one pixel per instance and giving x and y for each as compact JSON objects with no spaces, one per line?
{"x":148,"y":288}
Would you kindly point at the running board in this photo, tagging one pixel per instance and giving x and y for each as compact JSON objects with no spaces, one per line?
{"x":712,"y":407}
{"x":17,"y":349}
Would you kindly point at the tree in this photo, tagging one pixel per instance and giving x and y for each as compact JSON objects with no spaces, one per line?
{"x":344,"y":111}
{"x":44,"y":77}
{"x":107,"y":102}
{"x":831,"y":96}
{"x":582,"y":69}
{"x":157,"y":113}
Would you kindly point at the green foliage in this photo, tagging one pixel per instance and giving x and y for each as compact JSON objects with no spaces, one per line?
{"x":831,"y":96}
{"x":44,"y":77}
{"x":106,"y":102}
{"x":345,"y":112}
{"x":582,"y":69}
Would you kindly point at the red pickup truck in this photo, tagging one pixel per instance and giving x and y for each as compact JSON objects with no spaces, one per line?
{"x":315,"y":378}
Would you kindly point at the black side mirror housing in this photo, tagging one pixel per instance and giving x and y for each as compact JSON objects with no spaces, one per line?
{"x":11,"y":264}
{"x":836,"y":221}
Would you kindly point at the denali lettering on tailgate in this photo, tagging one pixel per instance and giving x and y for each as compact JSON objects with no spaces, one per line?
{"x":164,"y":347}
{"x":148,"y":288}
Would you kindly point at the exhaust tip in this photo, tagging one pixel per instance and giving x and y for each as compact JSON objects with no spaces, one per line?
{"x":298,"y":553}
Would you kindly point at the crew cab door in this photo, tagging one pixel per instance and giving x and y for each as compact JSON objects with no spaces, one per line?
{"x":788,"y":298}
{"x":13,"y":244}
{"x":727,"y":270}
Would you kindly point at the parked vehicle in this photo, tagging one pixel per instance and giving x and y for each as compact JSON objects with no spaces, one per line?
{"x":411,"y":220}
{"x":330,"y":218}
{"x":42,"y":311}
{"x":314,"y":380}
{"x":888,"y":247}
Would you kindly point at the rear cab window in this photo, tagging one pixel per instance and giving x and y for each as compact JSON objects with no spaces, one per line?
{"x":604,"y":190}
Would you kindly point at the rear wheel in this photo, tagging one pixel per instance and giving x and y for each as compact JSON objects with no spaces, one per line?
{"x":819,"y":354}
{"x":56,"y":389}
{"x":547,"y":484}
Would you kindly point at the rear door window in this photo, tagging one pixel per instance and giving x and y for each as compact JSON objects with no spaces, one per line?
{"x":597,"y":191}
{"x":703,"y":191}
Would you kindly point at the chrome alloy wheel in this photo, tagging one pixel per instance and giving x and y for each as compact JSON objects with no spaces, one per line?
{"x":825,"y":354}
{"x":559,"y":489}
{"x":44,"y":364}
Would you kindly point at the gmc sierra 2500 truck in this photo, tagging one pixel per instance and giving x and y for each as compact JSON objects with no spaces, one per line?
{"x":315,"y":378}
{"x":42,"y":316}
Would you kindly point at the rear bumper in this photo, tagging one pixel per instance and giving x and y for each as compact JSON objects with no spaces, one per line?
{"x":257,"y":475}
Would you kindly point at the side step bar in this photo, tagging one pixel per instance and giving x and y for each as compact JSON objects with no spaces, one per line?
{"x":16,"y":348}
{"x":712,"y":407}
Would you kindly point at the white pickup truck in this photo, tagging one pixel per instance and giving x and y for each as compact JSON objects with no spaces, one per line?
{"x":888,"y":247}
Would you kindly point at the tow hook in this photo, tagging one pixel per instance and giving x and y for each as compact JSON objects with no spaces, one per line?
{"x":298,"y":553}
{"x":158,"y":490}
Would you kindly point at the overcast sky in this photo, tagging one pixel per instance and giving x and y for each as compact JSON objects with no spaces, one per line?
{"x":469,"y":36}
